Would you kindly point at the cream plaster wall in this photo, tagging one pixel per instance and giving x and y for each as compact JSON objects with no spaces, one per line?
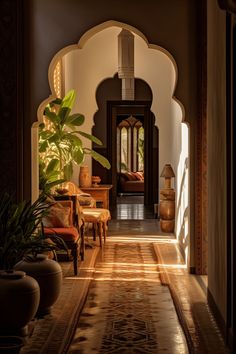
{"x":86,"y":68}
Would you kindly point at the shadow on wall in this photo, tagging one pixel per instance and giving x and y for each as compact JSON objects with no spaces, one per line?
{"x":182,"y":210}
{"x":183,"y":236}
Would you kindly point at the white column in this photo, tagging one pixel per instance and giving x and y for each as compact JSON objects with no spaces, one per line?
{"x":126,"y":63}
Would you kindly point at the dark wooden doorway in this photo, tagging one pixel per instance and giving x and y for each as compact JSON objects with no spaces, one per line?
{"x":151,"y":143}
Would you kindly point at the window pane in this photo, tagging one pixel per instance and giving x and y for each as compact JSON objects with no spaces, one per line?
{"x":135,"y":147}
{"x":141,"y":149}
{"x":124,"y":149}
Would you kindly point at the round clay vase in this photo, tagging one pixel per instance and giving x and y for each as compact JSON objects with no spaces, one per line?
{"x":48,"y":274}
{"x":84,"y":177}
{"x":167,"y":209}
{"x":19,"y":301}
{"x":167,"y":225}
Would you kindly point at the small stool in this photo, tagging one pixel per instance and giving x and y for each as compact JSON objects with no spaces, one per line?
{"x":99,"y":218}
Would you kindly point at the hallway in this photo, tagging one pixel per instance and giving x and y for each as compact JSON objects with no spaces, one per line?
{"x":127,"y":309}
{"x":142,"y":298}
{"x":133,"y":296}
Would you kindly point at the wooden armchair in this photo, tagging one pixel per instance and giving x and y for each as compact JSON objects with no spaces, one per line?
{"x":60,"y":221}
{"x":85,"y":208}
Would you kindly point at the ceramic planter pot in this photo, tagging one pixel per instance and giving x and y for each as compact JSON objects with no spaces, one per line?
{"x":48,"y":274}
{"x":19,"y":301}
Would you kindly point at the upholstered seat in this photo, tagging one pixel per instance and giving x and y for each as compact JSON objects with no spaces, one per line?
{"x":67,"y":233}
{"x":99,"y":217}
{"x":60,"y":222}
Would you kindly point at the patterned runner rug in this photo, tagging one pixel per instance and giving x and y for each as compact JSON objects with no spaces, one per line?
{"x":127,"y":309}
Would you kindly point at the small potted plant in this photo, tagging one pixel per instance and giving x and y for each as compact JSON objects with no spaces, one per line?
{"x":20,"y":235}
{"x":60,"y":143}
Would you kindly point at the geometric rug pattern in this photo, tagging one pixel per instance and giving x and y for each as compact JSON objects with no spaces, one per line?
{"x":128,"y":310}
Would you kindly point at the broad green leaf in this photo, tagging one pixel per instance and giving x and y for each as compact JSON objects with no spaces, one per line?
{"x":66,"y":106}
{"x":43,"y":146}
{"x":90,"y":137}
{"x":78,"y":156}
{"x":75,"y":120}
{"x":54,"y":175}
{"x":45,"y":134}
{"x":54,"y":138}
{"x":55,"y":183}
{"x":52,"y":116}
{"x":63,"y":114}
{"x":68,"y":100}
{"x":74,"y":140}
{"x":68,"y":171}
{"x":101,"y":159}
{"x":53,"y":165}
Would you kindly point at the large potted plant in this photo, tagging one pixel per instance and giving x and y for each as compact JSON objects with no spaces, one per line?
{"x":20,"y":235}
{"x":60,"y":143}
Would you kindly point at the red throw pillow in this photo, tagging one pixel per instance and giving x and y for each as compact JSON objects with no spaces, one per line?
{"x":130,"y":176}
{"x":140,"y":175}
{"x":137,"y":176}
{"x":58,"y":216}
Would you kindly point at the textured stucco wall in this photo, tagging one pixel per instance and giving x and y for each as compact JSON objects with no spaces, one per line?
{"x":216,"y":115}
{"x":53,"y":24}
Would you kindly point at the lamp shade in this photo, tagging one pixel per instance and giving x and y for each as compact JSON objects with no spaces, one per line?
{"x":167,"y":171}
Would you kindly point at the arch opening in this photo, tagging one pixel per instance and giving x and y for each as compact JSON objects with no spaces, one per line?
{"x":86,"y":64}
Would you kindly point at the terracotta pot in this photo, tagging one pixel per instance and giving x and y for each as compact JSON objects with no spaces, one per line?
{"x":84,"y":177}
{"x":167,"y":209}
{"x":48,"y":274}
{"x":19,"y":300}
{"x":167,"y":225}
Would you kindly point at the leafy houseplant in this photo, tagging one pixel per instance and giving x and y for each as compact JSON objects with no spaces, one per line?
{"x":60,"y":144}
{"x":20,"y":230}
{"x":21,"y":236}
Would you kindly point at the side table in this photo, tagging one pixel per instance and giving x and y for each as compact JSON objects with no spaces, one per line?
{"x":100,"y":193}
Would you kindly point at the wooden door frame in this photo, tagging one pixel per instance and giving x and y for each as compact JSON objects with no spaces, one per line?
{"x":112,"y":107}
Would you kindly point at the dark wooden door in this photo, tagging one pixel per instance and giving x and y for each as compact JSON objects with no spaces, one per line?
{"x":142,"y":108}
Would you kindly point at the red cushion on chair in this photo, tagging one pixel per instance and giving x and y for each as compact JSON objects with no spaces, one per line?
{"x":67,"y":234}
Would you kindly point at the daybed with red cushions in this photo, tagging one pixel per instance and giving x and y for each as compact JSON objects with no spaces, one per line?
{"x":130,"y":182}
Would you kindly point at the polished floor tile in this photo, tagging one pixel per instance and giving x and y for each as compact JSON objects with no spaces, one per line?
{"x":128,"y":311}
{"x":131,"y":208}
